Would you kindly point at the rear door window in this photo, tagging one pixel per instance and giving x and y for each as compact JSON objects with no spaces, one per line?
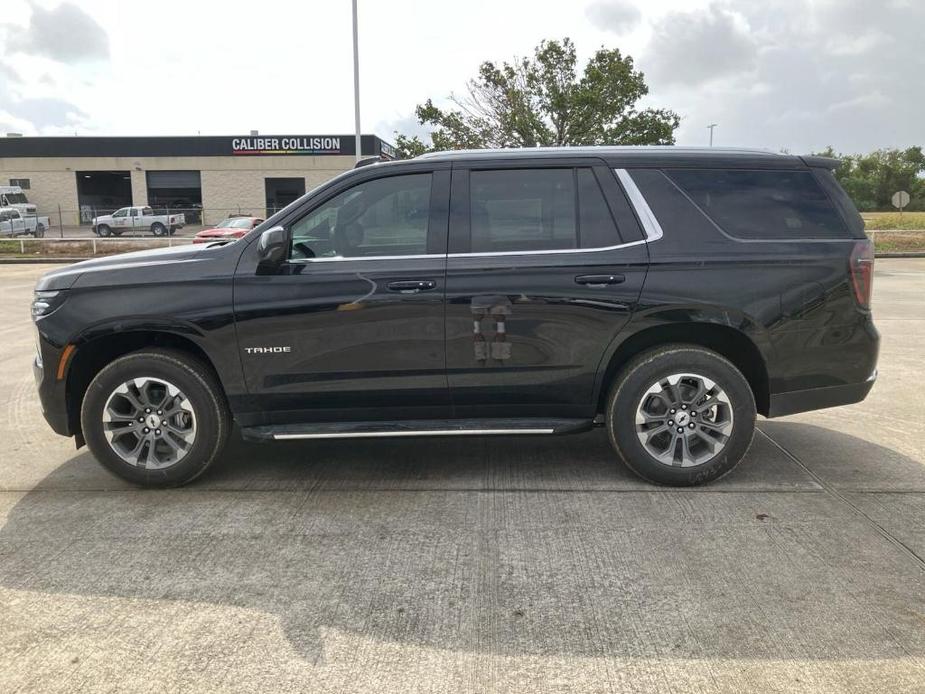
{"x":767,"y":205}
{"x":521,"y":210}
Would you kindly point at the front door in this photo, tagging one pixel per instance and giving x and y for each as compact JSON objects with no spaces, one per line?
{"x":351,"y":326}
{"x":540,"y":280}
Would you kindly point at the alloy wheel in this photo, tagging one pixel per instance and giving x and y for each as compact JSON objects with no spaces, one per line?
{"x":684,"y":420}
{"x":149,"y":423}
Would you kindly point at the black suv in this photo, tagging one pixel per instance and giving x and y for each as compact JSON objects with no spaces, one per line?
{"x":668,"y":294}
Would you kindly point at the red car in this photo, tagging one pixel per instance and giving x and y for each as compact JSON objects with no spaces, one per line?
{"x":227,"y":230}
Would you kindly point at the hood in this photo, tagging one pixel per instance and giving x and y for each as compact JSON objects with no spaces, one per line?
{"x":158,"y":261}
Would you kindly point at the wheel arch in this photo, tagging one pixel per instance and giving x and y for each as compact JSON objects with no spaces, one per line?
{"x":94,"y":353}
{"x":733,"y":344}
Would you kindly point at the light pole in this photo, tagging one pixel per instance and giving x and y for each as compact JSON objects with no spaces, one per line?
{"x":709,"y":127}
{"x":356,"y":80}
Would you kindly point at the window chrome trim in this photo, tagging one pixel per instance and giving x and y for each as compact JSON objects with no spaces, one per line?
{"x":343,"y":258}
{"x":650,"y":225}
{"x":649,"y":221}
{"x":554,"y":251}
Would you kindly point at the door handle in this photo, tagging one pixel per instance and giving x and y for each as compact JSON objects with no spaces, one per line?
{"x":599,"y":280}
{"x":411,"y":286}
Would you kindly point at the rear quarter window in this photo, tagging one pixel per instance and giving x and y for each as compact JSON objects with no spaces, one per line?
{"x":770,"y":205}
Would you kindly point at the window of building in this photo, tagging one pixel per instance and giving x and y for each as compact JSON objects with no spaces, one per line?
{"x":383,"y":217}
{"x":23,"y":183}
{"x":762,"y":204}
{"x":522,"y":210}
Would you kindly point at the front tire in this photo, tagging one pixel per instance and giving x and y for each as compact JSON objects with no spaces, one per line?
{"x":681,"y":415}
{"x":103,"y":230}
{"x":156,"y":418}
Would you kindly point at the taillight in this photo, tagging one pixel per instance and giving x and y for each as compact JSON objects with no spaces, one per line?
{"x":861,"y":269}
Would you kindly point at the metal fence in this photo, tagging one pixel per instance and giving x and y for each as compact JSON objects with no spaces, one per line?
{"x":78,"y":223}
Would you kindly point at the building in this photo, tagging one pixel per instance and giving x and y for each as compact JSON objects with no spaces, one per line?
{"x":206,"y":177}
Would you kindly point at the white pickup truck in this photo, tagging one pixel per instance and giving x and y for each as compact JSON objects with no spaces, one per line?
{"x":136,"y":219}
{"x":13,"y":223}
{"x":14,"y":197}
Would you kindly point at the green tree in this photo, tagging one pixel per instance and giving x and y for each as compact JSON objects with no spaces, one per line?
{"x":543,"y":101}
{"x":871,"y":179}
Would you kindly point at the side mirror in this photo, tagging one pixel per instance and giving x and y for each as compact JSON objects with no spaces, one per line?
{"x":272,"y":246}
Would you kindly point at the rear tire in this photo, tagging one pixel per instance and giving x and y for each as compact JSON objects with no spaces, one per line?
{"x":681,"y":415}
{"x":39,"y":231}
{"x":157,"y":418}
{"x":158,"y":229}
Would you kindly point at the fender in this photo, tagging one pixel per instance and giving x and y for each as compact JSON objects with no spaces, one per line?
{"x":676,"y":320}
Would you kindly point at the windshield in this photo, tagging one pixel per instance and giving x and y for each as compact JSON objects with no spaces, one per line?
{"x":16,"y":198}
{"x":235,"y":223}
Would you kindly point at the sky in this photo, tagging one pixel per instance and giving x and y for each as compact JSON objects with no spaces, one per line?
{"x":793,"y":75}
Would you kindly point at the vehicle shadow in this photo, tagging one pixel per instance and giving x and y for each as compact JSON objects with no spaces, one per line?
{"x":529,"y":546}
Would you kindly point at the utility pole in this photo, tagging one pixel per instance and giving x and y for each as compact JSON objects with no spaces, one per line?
{"x":709,"y":127}
{"x":356,"y":80}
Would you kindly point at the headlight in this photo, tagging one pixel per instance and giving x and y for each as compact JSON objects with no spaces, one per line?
{"x":44,"y":302}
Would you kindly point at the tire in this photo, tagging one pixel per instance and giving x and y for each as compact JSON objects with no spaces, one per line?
{"x":199,"y":425}
{"x":158,"y":229}
{"x":39,"y":231}
{"x":103,"y":230}
{"x":638,"y":408}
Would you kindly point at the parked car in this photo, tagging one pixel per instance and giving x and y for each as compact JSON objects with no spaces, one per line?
{"x":667,"y":294}
{"x":13,"y":223}
{"x":13,"y":196}
{"x":234,"y":227}
{"x":138,"y":218}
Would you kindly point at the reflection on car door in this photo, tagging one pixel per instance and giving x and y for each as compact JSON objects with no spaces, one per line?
{"x":353,"y":322}
{"x":539,"y":282}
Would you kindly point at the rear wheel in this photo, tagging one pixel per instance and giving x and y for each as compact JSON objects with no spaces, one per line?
{"x":681,"y":415}
{"x":39,"y":231}
{"x":156,"y":418}
{"x":158,"y":229}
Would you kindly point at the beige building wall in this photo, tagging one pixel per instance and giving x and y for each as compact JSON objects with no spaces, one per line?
{"x":228,"y":182}
{"x":48,"y":190}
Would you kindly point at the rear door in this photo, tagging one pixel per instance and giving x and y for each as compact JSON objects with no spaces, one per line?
{"x":352,"y":325}
{"x":546,"y":265}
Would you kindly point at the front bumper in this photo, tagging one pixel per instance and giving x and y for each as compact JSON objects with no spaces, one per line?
{"x":52,"y":394}
{"x":796,"y":401}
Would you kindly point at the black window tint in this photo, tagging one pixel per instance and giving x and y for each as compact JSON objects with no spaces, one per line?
{"x":762,"y":204}
{"x":385,"y":216}
{"x":595,"y":223}
{"x":522,"y":210}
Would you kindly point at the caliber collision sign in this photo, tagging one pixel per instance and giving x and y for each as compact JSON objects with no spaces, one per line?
{"x":286,"y":144}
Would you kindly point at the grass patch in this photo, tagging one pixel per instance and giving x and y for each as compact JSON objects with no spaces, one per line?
{"x":891,"y":220}
{"x":907,"y":242}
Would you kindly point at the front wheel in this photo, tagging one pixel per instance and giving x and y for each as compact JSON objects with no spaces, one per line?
{"x":103,"y":230}
{"x":681,"y":415}
{"x":156,"y":418}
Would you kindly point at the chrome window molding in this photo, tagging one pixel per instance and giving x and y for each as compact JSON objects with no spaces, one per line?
{"x":343,"y":258}
{"x":554,"y":251}
{"x":650,"y":225}
{"x":648,"y":219}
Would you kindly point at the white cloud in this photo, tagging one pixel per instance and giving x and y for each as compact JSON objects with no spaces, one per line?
{"x":691,"y":48}
{"x":64,"y":33}
{"x":617,"y":16}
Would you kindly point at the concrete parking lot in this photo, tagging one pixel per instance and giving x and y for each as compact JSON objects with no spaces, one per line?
{"x":527,"y":565}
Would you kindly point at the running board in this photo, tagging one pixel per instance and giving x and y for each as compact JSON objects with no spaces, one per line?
{"x":424,"y":427}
